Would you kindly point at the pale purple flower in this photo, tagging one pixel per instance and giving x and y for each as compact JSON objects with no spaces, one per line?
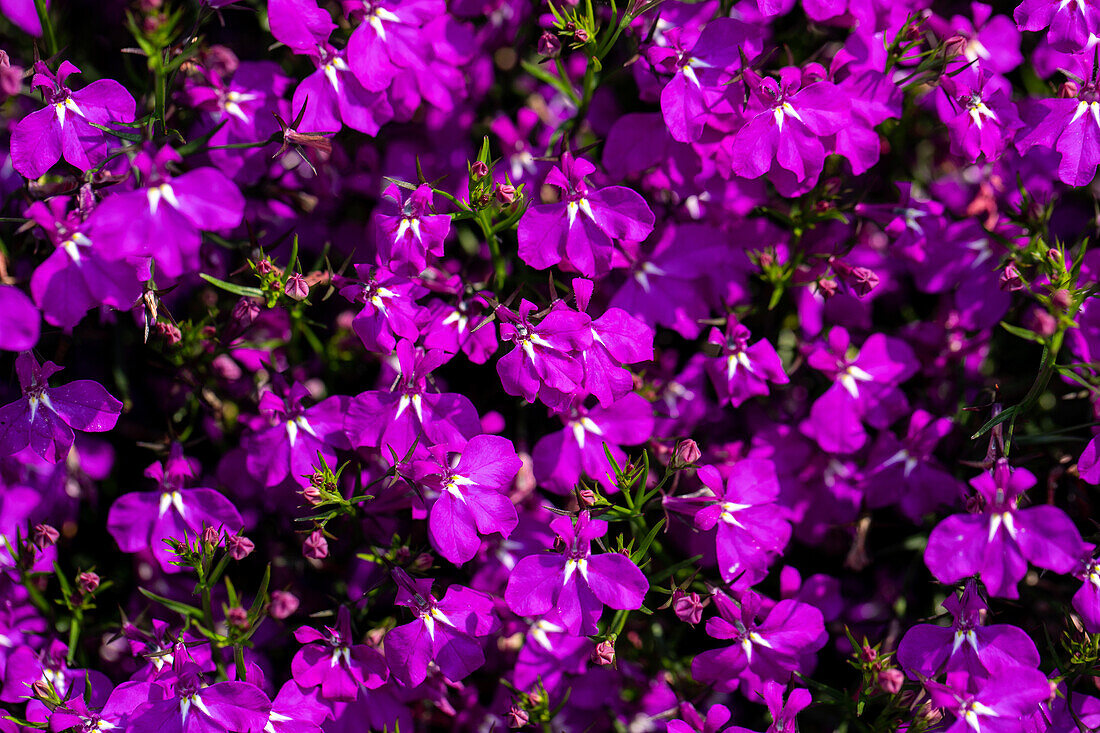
{"x":740,"y":371}
{"x":545,"y":361}
{"x":289,"y":448}
{"x":19,"y":320}
{"x":406,"y":237}
{"x":194,"y":707}
{"x":332,"y":661}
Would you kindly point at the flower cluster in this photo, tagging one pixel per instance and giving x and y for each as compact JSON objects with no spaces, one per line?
{"x":651,"y":365}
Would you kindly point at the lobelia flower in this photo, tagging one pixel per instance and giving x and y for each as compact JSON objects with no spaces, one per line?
{"x":394,"y":421}
{"x":548,"y":654}
{"x":751,"y":528}
{"x":191,"y":706}
{"x":76,"y":277}
{"x":864,"y":388}
{"x":782,"y":137}
{"x":544,"y":362}
{"x":389,"y":38}
{"x":142,"y":520}
{"x":454,"y":327}
{"x":163,"y":220}
{"x":581,"y":229}
{"x":1086,"y":601}
{"x":469,"y":500}
{"x":575,"y":583}
{"x":701,"y":73}
{"x":618,"y":338}
{"x":561,"y":458}
{"x":62,"y":128}
{"x":20,"y":321}
{"x":25,"y":667}
{"x":389,"y":307}
{"x":23,"y":14}
{"x":904,"y":472}
{"x":289,"y":448}
{"x":691,"y":722}
{"x":1088,"y":465}
{"x":770,"y":649}
{"x":1071,"y":26}
{"x":980,"y":121}
{"x":331,"y":662}
{"x":739,"y":371}
{"x":444,"y":630}
{"x":45,"y":417}
{"x":968,"y":646}
{"x":997,"y":542}
{"x":1067,"y":125}
{"x":123,"y":702}
{"x":997,"y":706}
{"x":783,"y":711}
{"x":296,"y":710}
{"x":415,"y":231}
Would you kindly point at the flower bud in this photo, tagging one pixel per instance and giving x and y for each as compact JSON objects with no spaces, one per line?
{"x":44,"y":536}
{"x":245,"y":312}
{"x":237,"y":617}
{"x":264,"y":266}
{"x":954,"y":46}
{"x":827,"y":287}
{"x":1068,"y":90}
{"x":688,"y":606}
{"x":687,"y":453}
{"x":479,"y":169}
{"x":580,"y":35}
{"x":316,"y":546}
{"x":588,"y":497}
{"x":549,"y":45}
{"x":604,"y":654}
{"x":890,"y":681}
{"x":87,"y":582}
{"x":211,"y":536}
{"x":423,"y":562}
{"x":296,"y":287}
{"x":283,"y":604}
{"x":170,"y":332}
{"x":1061,"y":299}
{"x":239,"y":546}
{"x":505,"y":194}
{"x":1010,"y":279}
{"x":1041,"y":322}
{"x":517,"y":717}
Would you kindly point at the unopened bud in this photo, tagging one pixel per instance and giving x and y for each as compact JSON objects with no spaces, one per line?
{"x":283,"y":604}
{"x":237,"y":617}
{"x":423,"y":562}
{"x":296,"y":287}
{"x":211,"y":536}
{"x":686,"y":454}
{"x":264,"y":266}
{"x":827,"y":287}
{"x":604,"y":654}
{"x":170,"y":332}
{"x":688,"y":606}
{"x":890,"y":681}
{"x":955,"y":46}
{"x":1041,"y":322}
{"x":239,"y":546}
{"x":588,"y":497}
{"x":517,"y":717}
{"x":580,"y":35}
{"x":1061,"y":299}
{"x":316,"y":546}
{"x":1068,"y":90}
{"x":245,"y":312}
{"x":479,"y":169}
{"x":549,"y":45}
{"x":44,"y":536}
{"x":87,"y":582}
{"x":505,"y":194}
{"x":1010,"y":279}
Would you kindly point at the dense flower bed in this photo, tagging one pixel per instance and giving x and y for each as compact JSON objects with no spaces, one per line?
{"x":590,"y":365}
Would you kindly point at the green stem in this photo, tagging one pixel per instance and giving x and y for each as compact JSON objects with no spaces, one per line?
{"x":47,"y":26}
{"x":500,"y":267}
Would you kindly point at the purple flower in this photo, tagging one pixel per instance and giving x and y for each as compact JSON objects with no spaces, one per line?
{"x":1071,"y":25}
{"x":389,"y":307}
{"x":771,"y":649}
{"x":332,"y":97}
{"x":980,"y":121}
{"x":62,"y":127}
{"x":163,"y":220}
{"x":740,"y":371}
{"x":996,"y":542}
{"x":389,"y":38}
{"x":575,"y":583}
{"x":289,"y":448}
{"x":1088,"y":465}
{"x":415,"y":231}
{"x":967,"y":645}
{"x":296,"y":710}
{"x":618,"y":338}
{"x":331,"y":661}
{"x":544,"y":362}
{"x":193,"y":707}
{"x":581,"y":229}
{"x":469,"y":498}
{"x":45,"y":417}
{"x":141,"y":521}
{"x":998,"y":706}
{"x":19,"y":321}
{"x":443,"y":631}
{"x":1069,"y":126}
{"x":561,"y":458}
{"x":751,"y":528}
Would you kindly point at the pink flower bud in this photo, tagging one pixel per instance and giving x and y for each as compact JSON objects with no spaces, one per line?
{"x":237,"y":617}
{"x":890,"y":681}
{"x":688,"y":607}
{"x":239,"y":546}
{"x":687,"y":452}
{"x":1040,"y":321}
{"x":87,"y":582}
{"x":44,"y":536}
{"x":283,"y":604}
{"x":505,"y":194}
{"x":604,"y":654}
{"x":954,"y":46}
{"x":170,"y":332}
{"x":316,"y":546}
{"x":245,"y":312}
{"x":296,"y":287}
{"x":479,"y":169}
{"x":1010,"y":278}
{"x":1061,"y":299}
{"x":549,"y":45}
{"x":588,"y":497}
{"x":827,"y":287}
{"x":211,"y":536}
{"x":1068,"y":90}
{"x":517,"y":717}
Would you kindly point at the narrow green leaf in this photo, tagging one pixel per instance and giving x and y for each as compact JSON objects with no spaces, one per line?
{"x":242,"y":290}
{"x":180,"y":608}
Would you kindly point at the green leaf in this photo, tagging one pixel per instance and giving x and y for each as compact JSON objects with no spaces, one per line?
{"x":1004,"y":415}
{"x":133,"y":137}
{"x":638,"y":555}
{"x":242,"y":290}
{"x":1022,"y":332}
{"x":180,"y":608}
{"x":261,"y":595}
